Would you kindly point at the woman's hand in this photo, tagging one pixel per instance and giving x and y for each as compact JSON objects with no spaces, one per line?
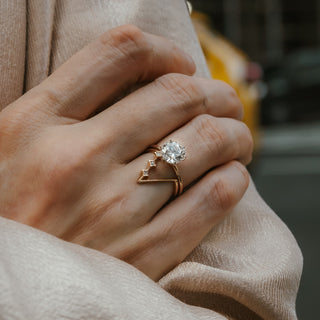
{"x":72,"y":171}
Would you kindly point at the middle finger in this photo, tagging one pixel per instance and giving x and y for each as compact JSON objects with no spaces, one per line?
{"x":157,"y":109}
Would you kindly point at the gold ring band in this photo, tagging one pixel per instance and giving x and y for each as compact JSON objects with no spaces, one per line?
{"x":172,"y":158}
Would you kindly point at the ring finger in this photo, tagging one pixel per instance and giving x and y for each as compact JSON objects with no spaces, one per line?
{"x":208,"y":141}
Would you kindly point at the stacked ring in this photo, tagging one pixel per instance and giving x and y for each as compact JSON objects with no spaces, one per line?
{"x":171,"y":152}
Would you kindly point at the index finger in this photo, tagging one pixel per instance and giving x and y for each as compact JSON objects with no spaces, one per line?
{"x":115,"y":61}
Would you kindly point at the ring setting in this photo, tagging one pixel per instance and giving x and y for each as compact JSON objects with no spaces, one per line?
{"x":172,"y":153}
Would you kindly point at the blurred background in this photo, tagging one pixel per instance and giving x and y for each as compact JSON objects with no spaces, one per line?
{"x":269,"y":51}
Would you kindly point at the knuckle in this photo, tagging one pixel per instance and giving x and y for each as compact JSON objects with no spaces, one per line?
{"x":211,"y":135}
{"x":130,"y":41}
{"x":184,"y":90}
{"x":221,"y":195}
{"x":127,"y":33}
{"x":47,"y":98}
{"x":44,"y":99}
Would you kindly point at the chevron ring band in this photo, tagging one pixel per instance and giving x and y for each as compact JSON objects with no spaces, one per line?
{"x":172,"y":153}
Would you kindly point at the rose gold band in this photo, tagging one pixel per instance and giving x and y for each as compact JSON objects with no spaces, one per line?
{"x":144,"y":177}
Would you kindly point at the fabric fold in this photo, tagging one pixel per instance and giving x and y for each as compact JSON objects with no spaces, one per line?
{"x":39,"y":41}
{"x":13,"y":28}
{"x":252,"y":252}
{"x":42,"y":278}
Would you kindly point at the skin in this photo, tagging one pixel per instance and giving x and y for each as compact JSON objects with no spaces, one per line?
{"x":69,"y":165}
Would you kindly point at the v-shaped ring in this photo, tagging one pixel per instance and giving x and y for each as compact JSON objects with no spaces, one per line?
{"x":144,"y":177}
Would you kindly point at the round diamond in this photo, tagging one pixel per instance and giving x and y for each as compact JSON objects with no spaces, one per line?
{"x":173,"y":152}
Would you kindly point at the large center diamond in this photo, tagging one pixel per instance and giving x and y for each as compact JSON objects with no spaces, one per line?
{"x":173,"y":152}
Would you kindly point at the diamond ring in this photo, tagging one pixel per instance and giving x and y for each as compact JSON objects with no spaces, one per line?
{"x":172,"y":153}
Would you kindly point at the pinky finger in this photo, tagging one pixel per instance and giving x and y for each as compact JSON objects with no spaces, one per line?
{"x":180,"y":226}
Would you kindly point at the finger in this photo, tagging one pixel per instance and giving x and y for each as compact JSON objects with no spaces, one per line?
{"x":157,"y":109}
{"x":178,"y":228}
{"x":208,"y":141}
{"x":118,"y":59}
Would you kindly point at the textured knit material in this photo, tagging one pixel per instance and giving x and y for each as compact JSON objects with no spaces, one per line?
{"x":248,"y":267}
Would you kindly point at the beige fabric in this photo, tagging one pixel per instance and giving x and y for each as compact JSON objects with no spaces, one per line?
{"x":248,"y":267}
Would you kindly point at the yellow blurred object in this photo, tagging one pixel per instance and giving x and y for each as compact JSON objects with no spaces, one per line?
{"x":228,"y":63}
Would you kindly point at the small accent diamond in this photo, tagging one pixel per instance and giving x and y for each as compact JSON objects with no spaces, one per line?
{"x":173,"y":152}
{"x":152,"y":163}
{"x":158,"y":154}
{"x":145,"y":173}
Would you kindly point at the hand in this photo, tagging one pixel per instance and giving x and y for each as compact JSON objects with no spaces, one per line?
{"x":72,"y":171}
